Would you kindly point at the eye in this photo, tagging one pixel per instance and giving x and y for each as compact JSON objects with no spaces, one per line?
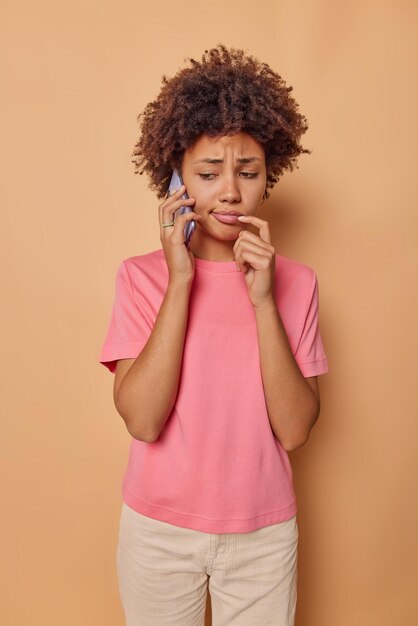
{"x":250,"y":174}
{"x":246,"y":175}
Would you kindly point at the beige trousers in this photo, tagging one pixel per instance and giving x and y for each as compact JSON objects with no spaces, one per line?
{"x":164,"y":572}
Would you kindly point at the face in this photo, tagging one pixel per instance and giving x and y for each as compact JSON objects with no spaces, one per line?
{"x":223,"y":174}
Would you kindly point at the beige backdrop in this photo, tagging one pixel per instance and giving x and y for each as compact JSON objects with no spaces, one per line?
{"x":75,"y":75}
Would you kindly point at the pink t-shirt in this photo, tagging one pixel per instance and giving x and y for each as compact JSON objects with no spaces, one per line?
{"x":216,"y":466}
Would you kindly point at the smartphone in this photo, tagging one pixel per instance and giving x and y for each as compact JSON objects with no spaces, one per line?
{"x":176,"y":182}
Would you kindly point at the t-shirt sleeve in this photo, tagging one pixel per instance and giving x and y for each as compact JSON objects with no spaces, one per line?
{"x":128,"y":330}
{"x":310,"y":354}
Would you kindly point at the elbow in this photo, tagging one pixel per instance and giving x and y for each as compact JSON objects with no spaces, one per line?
{"x":140,"y":436}
{"x":294,"y":445}
{"x":133,"y":428}
{"x":145,"y":439}
{"x":137,"y":432}
{"x":302,"y":438}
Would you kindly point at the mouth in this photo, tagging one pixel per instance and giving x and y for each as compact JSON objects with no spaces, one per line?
{"x":227,"y":218}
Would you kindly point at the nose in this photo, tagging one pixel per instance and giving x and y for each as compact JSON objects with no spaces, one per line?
{"x":229,"y":191}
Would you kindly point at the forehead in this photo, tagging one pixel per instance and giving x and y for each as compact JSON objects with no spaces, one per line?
{"x":241,"y":144}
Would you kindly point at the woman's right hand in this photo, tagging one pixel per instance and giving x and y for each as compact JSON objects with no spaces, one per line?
{"x":180,"y":260}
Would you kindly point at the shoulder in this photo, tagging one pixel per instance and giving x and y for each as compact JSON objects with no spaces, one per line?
{"x":294,"y":273}
{"x":147,"y":275}
{"x":148,"y":260}
{"x":148,"y":265}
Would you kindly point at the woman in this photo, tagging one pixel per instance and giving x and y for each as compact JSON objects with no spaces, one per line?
{"x":216,"y":351}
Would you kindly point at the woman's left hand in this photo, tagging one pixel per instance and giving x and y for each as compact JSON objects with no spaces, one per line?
{"x":255,"y":256}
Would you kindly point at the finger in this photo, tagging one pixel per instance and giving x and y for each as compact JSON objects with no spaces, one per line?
{"x":178,"y":191}
{"x":257,"y":244}
{"x":172,"y":195}
{"x":246,"y":235}
{"x":255,"y":260}
{"x":168,"y":211}
{"x":263,"y":225}
{"x":243,"y":248}
{"x":176,"y":196}
{"x":177,"y":231}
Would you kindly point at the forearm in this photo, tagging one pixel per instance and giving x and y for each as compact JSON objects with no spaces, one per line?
{"x":149,"y":389}
{"x":291,"y":403}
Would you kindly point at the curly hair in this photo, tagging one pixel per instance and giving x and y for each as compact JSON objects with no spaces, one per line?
{"x":227,"y":92}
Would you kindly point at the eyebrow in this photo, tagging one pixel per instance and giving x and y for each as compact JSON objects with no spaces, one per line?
{"x":239,"y":160}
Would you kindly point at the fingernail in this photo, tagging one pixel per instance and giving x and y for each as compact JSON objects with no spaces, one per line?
{"x":242,"y":217}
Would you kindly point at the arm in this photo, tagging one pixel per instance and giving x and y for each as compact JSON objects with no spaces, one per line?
{"x":147,"y":393}
{"x":292,"y":402}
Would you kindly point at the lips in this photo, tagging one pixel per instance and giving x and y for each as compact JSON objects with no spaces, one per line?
{"x":227,"y":212}
{"x":227,"y":218}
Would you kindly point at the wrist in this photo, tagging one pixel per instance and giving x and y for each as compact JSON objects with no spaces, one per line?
{"x":179,"y":285}
{"x":268,"y":303}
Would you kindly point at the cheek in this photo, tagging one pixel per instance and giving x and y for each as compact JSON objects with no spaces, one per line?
{"x":202,"y":195}
{"x":257,"y":193}
{"x":263,"y":186}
